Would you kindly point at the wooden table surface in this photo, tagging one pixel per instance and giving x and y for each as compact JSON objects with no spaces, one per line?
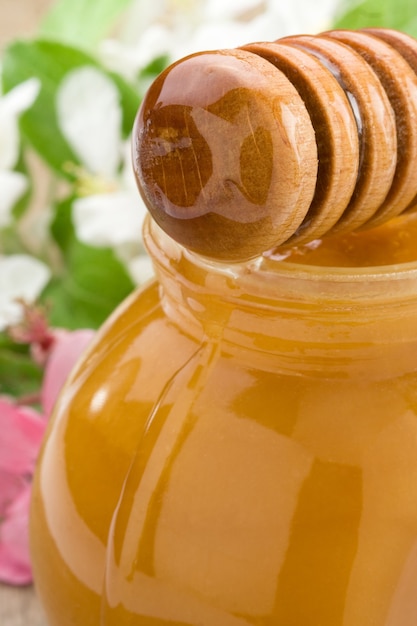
{"x":20,"y":607}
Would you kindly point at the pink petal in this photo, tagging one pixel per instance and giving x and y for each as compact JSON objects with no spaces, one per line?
{"x":15,"y":567}
{"x":64,"y":355}
{"x":21,"y":430}
{"x":10,"y":486}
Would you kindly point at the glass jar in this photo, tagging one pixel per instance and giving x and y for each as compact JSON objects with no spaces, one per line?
{"x":238,"y":447}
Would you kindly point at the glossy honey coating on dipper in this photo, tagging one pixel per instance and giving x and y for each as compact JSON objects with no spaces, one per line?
{"x":240,"y":151}
{"x":336,"y":133}
{"x":375,"y":128}
{"x":225,"y":154}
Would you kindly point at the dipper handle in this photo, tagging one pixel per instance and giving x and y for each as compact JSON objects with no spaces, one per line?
{"x":274,"y":144}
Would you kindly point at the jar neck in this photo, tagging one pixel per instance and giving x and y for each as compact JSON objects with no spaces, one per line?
{"x":289,"y":315}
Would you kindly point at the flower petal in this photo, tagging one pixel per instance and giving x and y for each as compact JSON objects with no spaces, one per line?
{"x":11,"y":105}
{"x":15,"y":567}
{"x":139,"y":17}
{"x":21,"y":431}
{"x":219,"y":10}
{"x":9,"y":141}
{"x":21,"y":277}
{"x":90,"y":118}
{"x":10,"y":487}
{"x":12,"y":185}
{"x":109,"y":219}
{"x":66,"y":352}
{"x":21,"y":97}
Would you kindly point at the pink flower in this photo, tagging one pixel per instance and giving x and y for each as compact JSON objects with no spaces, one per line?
{"x":21,"y":433}
{"x":65,"y":352}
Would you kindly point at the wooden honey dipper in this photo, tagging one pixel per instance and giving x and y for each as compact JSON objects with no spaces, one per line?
{"x":274,"y":144}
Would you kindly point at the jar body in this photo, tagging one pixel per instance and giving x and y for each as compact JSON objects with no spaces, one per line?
{"x":247,"y":469}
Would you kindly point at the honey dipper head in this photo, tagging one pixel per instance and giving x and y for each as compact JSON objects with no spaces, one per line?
{"x":225,"y":155}
{"x":280,"y":143}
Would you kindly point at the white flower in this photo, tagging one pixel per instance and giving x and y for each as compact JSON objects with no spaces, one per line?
{"x":180,"y":27}
{"x":111,"y":213}
{"x":22,"y":277}
{"x":108,"y":219}
{"x":90,"y":118}
{"x":232,"y":24}
{"x":13,"y":184}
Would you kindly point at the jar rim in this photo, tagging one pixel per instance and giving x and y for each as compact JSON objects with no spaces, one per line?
{"x":263,"y":274}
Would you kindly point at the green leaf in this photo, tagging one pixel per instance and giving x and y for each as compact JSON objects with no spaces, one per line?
{"x":94,"y":281}
{"x":398,"y":14}
{"x":19,"y":375}
{"x":148,"y":73}
{"x":82,"y":22}
{"x":156,"y":66}
{"x":10,"y":242}
{"x":50,"y":61}
{"x":61,"y":225}
{"x":23,"y":202}
{"x":129,"y":101}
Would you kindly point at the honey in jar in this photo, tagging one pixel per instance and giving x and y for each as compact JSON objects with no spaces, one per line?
{"x":239,"y":445}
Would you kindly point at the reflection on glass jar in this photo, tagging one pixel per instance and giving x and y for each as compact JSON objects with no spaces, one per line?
{"x":238,"y":447}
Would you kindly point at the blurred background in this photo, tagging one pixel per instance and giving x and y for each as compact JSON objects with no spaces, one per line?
{"x":20,"y":18}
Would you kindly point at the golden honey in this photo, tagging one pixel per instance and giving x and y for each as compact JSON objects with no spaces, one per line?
{"x":239,"y":446}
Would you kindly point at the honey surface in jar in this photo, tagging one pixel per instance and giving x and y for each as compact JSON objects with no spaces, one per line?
{"x":393,"y":242}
